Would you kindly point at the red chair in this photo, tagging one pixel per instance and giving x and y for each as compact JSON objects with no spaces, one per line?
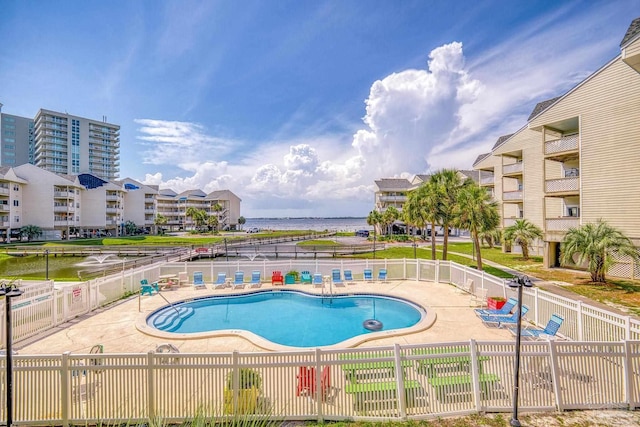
{"x":307,"y":382}
{"x":276,"y":278}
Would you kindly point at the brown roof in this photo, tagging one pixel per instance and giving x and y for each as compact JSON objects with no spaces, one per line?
{"x":632,"y":31}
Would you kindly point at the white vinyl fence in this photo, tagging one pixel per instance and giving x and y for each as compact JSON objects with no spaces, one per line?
{"x":399,"y":382}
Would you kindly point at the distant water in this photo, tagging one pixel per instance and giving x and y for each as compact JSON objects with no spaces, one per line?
{"x":317,"y":224}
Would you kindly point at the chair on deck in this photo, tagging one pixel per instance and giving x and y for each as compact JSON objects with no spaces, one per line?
{"x":504,"y":311}
{"x":307,"y":383}
{"x":368,"y":275}
{"x":348,"y":278}
{"x":167,"y":348}
{"x":198,"y":280}
{"x":276,"y":278}
{"x":238,"y":280}
{"x":256,"y":281}
{"x":305,"y":277}
{"x":336,"y":277}
{"x":146,"y":288}
{"x":221,"y":282}
{"x":541,"y":334}
{"x":382,"y":275}
{"x":500,"y":321}
{"x":466,"y":288}
{"x":317,"y":281}
{"x":183,"y":278}
{"x":479,"y":298}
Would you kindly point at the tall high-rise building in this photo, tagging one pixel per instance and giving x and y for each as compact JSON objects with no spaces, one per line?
{"x":16,"y":140}
{"x":68,"y":144}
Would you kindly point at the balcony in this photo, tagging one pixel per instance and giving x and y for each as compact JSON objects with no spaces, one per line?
{"x":562,"y":224}
{"x":562,"y":186}
{"x":4,"y":191}
{"x":400,"y":199}
{"x":112,"y":197}
{"x":63,"y":209}
{"x":563,"y":148}
{"x":512,"y":169}
{"x":4,"y":208}
{"x":508,"y":222}
{"x":510,"y":196}
{"x":487,"y":180}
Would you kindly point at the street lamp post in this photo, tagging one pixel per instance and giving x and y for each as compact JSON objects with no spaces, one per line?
{"x":9,"y":291}
{"x":518,"y":282}
{"x":46,"y":264}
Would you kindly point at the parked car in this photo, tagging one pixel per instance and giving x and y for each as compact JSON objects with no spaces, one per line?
{"x":253,"y":230}
{"x":362,"y":233}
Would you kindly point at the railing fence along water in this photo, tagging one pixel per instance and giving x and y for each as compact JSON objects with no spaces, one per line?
{"x":395,"y":382}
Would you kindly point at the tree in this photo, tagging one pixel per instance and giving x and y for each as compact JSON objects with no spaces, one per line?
{"x":242,"y":221}
{"x":374,"y":219}
{"x":389,"y":216}
{"x":596,"y":244}
{"x":130,"y":227}
{"x":30,"y":232}
{"x":160,"y":221}
{"x":212,"y":221}
{"x":491,"y":237}
{"x":476,"y":212}
{"x":447,"y":185}
{"x":522,"y":233}
{"x":421,"y":209}
{"x":198,"y":216}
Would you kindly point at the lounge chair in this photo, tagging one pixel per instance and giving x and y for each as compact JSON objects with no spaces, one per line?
{"x":146,"y":288}
{"x":276,"y":278}
{"x":368,"y":275}
{"x":382,"y":275}
{"x":183,"y":278}
{"x":167,"y":348}
{"x":256,"y":282}
{"x":479,"y":298}
{"x":348,"y":278}
{"x":307,"y":383}
{"x":198,"y":280}
{"x":336,"y":277}
{"x":500,"y":321}
{"x":238,"y":280}
{"x":466,"y":287}
{"x":504,"y":311}
{"x":305,"y":277}
{"x":317,"y":281}
{"x":550,"y":330}
{"x":221,"y":282}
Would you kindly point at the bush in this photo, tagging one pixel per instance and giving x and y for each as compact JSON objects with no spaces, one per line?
{"x":249,"y":378}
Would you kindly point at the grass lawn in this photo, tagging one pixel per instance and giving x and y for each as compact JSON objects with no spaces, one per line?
{"x":319,"y":243}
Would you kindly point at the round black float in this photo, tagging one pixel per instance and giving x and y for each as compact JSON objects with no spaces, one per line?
{"x":372,"y":324}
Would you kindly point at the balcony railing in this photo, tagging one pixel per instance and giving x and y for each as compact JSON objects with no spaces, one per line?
{"x":393,"y":198}
{"x":512,"y":195}
{"x":567,"y":143}
{"x":562,"y":185}
{"x":512,"y":168}
{"x":508,"y":222}
{"x":487,"y":180}
{"x":561,"y":224}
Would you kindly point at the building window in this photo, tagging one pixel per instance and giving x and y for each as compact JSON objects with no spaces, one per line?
{"x":573,"y":211}
{"x":16,"y":187}
{"x":16,"y":203}
{"x":16,"y":218}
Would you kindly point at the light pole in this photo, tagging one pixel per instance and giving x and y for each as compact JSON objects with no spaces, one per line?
{"x":518,"y":282}
{"x":46,"y":264}
{"x":9,"y":291}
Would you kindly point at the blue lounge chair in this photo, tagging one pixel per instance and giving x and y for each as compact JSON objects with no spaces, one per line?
{"x":540,"y":334}
{"x":348,"y":277}
{"x":305,"y":277}
{"x":238,"y":280}
{"x":336,"y":277}
{"x":317,"y":281}
{"x":198,"y":280}
{"x":146,"y":288}
{"x":368,"y":275}
{"x":221,"y":282}
{"x":504,"y":311}
{"x":500,"y":321}
{"x":256,"y":282}
{"x":382,"y":275}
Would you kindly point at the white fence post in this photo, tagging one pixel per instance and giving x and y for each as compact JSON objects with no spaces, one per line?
{"x":402,"y":403}
{"x":475,"y":374}
{"x":629,"y":384}
{"x":535,"y":305}
{"x":579,"y":320}
{"x":151,"y":386}
{"x":437,"y":275}
{"x":64,"y":389}
{"x":318,"y":384}
{"x":627,"y":325}
{"x":555,"y":374}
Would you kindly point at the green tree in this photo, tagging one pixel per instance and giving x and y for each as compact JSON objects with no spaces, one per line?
{"x":421,"y":209}
{"x":477,"y":212}
{"x":242,"y":221}
{"x":374,"y":219}
{"x":389,"y":216}
{"x":212,"y":221}
{"x":30,"y":232}
{"x":596,"y":244}
{"x":160,"y":221}
{"x":198,"y":216}
{"x":491,"y":237}
{"x":522,"y":233}
{"x":130,"y":227}
{"x":447,"y":185}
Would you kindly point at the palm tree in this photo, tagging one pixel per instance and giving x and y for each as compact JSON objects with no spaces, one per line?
{"x":448,"y":184}
{"x":242,"y":221}
{"x":198,"y":216}
{"x":374,"y":219}
{"x":523,"y":233}
{"x":212,"y":221}
{"x":491,"y":237}
{"x":161,"y":220}
{"x":412,"y":215}
{"x":422,"y":206}
{"x":596,"y":244}
{"x":477,"y":212}
{"x":389,"y":216}
{"x":30,"y":232}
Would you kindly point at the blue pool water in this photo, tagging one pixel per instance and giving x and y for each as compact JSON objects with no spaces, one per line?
{"x":289,"y":318}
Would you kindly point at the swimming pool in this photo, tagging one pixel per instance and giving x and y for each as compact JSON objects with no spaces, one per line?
{"x":290,"y":318}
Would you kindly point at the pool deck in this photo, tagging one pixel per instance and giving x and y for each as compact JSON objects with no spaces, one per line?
{"x":116,"y":327}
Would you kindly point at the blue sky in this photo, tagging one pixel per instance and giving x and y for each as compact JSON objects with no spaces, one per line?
{"x":298,"y":106}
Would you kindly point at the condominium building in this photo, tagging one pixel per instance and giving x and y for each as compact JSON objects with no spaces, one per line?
{"x":574,"y":161}
{"x":17,"y":143}
{"x":222,"y":204}
{"x":68,"y":144}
